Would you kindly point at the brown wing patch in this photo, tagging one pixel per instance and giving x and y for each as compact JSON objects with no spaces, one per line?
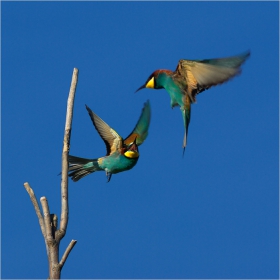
{"x":191,"y":81}
{"x":117,"y":142}
{"x":130,"y":138}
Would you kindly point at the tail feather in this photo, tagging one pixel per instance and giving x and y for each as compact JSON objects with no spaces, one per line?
{"x":186,"y":117}
{"x":81,"y":167}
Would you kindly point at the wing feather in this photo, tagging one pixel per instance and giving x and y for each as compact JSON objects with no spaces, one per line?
{"x":199,"y":75}
{"x":111,"y":138}
{"x":141,"y":129}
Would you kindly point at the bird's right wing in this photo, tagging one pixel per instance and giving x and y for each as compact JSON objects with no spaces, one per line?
{"x":203,"y":74}
{"x":111,"y":138}
{"x":141,"y":129}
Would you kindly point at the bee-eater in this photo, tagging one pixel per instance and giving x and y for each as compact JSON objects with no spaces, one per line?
{"x":121,"y":154}
{"x":192,"y":77}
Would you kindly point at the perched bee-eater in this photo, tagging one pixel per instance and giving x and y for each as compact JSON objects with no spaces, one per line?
{"x":121,"y":154}
{"x":192,"y":77}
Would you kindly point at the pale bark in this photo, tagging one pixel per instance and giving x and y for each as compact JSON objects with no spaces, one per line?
{"x":47,"y":221}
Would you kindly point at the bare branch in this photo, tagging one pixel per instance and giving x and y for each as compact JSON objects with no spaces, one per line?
{"x":47,"y":219}
{"x":52,"y":244}
{"x":38,"y":212}
{"x":48,"y":222}
{"x":67,"y":252}
{"x":36,"y":206}
{"x":66,"y":146}
{"x":53,"y":224}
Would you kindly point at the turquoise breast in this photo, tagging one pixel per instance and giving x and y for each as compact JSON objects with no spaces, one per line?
{"x":172,"y":88}
{"x":116,"y":163}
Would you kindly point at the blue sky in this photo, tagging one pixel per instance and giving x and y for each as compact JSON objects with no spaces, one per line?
{"x":213,"y":213}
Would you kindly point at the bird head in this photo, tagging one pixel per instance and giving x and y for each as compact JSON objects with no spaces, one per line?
{"x":154,"y":79}
{"x":132,"y":150}
{"x":150,"y":83}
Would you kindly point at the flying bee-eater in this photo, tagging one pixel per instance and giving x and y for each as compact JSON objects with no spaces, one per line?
{"x":121,"y":154}
{"x":192,"y":77}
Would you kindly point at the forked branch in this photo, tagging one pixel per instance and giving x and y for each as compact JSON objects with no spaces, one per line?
{"x":47,"y":221}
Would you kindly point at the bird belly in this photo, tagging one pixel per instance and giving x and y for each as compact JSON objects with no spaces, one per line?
{"x":118,"y":163}
{"x":177,"y":98}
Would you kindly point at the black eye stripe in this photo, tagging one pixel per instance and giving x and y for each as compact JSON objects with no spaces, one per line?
{"x":150,"y":77}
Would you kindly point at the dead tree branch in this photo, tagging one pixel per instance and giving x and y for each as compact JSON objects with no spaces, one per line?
{"x":67,"y":252}
{"x":65,"y":152}
{"x":36,"y":206}
{"x":47,"y":221}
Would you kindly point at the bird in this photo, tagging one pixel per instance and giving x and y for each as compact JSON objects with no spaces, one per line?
{"x":122,"y":154}
{"x":192,"y":77}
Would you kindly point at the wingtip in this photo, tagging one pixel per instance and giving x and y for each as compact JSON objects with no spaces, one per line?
{"x":147,"y":103}
{"x":244,"y":55}
{"x":247,"y":54}
{"x":184,"y":148}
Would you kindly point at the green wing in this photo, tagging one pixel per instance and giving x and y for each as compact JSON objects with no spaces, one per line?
{"x":141,"y":129}
{"x":111,"y":138}
{"x":203,"y":74}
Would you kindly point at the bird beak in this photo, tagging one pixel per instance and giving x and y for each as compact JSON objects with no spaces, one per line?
{"x":134,"y":147}
{"x":140,"y":88}
{"x":134,"y":142}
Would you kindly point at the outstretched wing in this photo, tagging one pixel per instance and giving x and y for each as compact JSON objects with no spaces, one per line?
{"x":202,"y":74}
{"x":111,"y":138}
{"x":141,"y":129}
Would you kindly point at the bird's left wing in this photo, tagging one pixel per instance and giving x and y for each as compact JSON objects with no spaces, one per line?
{"x":202,"y":74}
{"x":141,"y":129}
{"x":111,"y":138}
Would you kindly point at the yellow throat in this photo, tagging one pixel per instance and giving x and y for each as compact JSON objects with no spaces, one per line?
{"x":131,"y":154}
{"x":151,"y":83}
